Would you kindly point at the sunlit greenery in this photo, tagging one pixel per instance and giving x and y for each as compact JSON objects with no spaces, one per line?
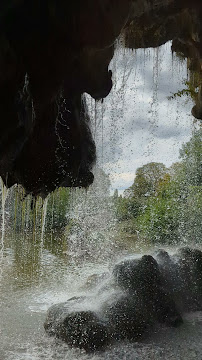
{"x":165,"y":205}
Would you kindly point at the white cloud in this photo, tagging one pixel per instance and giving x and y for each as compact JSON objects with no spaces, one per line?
{"x":121,"y":180}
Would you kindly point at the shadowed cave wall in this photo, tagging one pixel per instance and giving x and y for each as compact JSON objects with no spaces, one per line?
{"x":51,"y":53}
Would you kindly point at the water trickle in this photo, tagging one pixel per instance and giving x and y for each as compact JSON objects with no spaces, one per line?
{"x":44,"y":213}
{"x":102,"y":132}
{"x":4,"y":193}
{"x":95,"y":119}
{"x":52,"y":216}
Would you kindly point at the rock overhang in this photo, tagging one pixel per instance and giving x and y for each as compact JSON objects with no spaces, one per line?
{"x":50,"y":55}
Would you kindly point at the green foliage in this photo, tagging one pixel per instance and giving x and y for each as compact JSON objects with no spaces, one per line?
{"x":26,"y":213}
{"x":191,"y":90}
{"x":191,"y":155}
{"x":192,"y":226}
{"x":22,"y":209}
{"x":57,"y":209}
{"x":146,"y":180}
{"x":160,"y":220}
{"x":144,"y":186}
{"x":165,"y":205}
{"x":126,"y":208}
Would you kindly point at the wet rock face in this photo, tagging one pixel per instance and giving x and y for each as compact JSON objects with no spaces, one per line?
{"x":141,"y":292}
{"x":50,"y":54}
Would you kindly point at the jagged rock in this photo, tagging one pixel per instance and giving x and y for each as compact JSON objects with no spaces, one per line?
{"x":197,"y":109}
{"x":163,"y":258}
{"x":170,"y":275}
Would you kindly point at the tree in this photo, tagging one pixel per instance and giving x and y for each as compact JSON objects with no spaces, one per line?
{"x":146,"y":179}
{"x":173,"y":212}
{"x":192,"y":213}
{"x":126,"y":208}
{"x":116,"y":194}
{"x":161,"y":218}
{"x":191,"y":155}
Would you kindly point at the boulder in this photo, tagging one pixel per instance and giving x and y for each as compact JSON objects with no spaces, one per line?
{"x":166,"y":310}
{"x":141,"y":292}
{"x":181,"y":276}
{"x":143,"y":280}
{"x":190,"y":270}
{"x":138,"y":275}
{"x":76,"y":326}
{"x":170,"y":274}
{"x":128,"y":317}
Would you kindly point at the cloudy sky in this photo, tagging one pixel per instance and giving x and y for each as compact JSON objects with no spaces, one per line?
{"x":137,"y":123}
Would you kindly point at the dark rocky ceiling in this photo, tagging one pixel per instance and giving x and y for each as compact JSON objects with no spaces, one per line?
{"x":51,"y":52}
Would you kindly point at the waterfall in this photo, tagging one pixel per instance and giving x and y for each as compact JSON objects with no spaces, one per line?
{"x":70,"y":244}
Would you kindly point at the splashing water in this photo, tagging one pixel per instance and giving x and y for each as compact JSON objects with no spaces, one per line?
{"x":93,"y":218}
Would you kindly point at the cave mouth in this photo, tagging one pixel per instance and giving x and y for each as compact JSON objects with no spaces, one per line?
{"x":51,"y":55}
{"x":59,"y":62}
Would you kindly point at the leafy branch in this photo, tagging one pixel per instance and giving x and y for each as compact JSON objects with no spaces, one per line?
{"x":190,"y":90}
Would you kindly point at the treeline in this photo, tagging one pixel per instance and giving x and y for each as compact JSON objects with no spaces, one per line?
{"x":164,"y":205}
